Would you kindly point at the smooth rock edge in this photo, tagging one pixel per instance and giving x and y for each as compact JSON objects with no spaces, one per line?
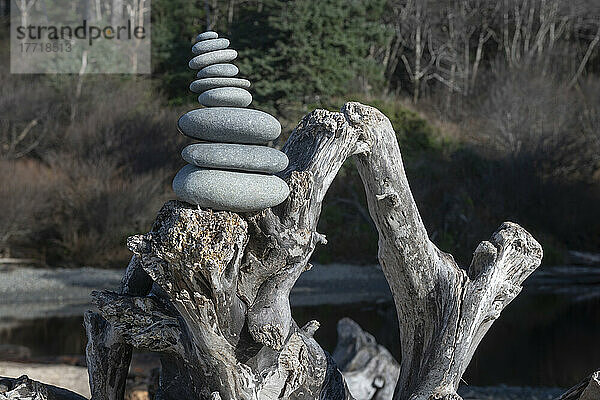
{"x":204,"y":84}
{"x":225,"y":97}
{"x":231,"y":156}
{"x":206,"y":35}
{"x":218,"y":70}
{"x":230,"y":125}
{"x":229,"y":190}
{"x":213,"y":57}
{"x":209,"y":45}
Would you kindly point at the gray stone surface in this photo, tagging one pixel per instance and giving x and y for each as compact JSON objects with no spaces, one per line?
{"x":210,"y":45}
{"x":236,"y":157}
{"x":230,"y":125}
{"x":207,"y":35}
{"x":229,"y":190}
{"x":222,"y":70}
{"x":201,"y":85}
{"x":226,"y":97}
{"x":213,"y":57}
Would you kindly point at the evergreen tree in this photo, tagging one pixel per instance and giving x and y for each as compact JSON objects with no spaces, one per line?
{"x":302,"y":50}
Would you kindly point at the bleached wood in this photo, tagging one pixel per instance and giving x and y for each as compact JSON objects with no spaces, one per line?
{"x":443,"y":310}
{"x":369,"y":369}
{"x":218,"y":309}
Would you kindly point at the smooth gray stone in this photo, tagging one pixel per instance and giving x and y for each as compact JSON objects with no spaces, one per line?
{"x":204,"y":84}
{"x":210,"y":45}
{"x":223,"y":70}
{"x":229,"y":190}
{"x":207,"y":35}
{"x":213,"y":57}
{"x":226,"y":97}
{"x":243,"y":157}
{"x":229,"y":125}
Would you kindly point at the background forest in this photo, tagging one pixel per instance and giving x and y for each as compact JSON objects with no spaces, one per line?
{"x":496,"y":105}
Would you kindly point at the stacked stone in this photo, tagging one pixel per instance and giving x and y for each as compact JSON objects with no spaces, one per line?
{"x":231,"y":169}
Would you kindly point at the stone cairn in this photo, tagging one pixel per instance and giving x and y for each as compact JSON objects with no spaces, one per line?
{"x":231,"y":169}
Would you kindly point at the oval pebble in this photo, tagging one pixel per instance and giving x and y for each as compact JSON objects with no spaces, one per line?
{"x":229,"y":190}
{"x":207,"y":35}
{"x":213,"y":57}
{"x":226,"y":70}
{"x":235,"y":157}
{"x":210,"y":45}
{"x":229,"y":125}
{"x":225,"y":97}
{"x":201,"y":85}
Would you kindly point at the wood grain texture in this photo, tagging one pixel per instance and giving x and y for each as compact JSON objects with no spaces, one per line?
{"x":218,"y":310}
{"x":210,"y":290}
{"x":443,"y":310}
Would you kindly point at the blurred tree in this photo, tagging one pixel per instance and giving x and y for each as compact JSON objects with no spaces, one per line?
{"x":175,"y":23}
{"x":302,"y":50}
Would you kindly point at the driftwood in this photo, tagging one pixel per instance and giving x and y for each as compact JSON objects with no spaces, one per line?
{"x":588,"y":389}
{"x":219,"y":310}
{"x":209,"y":290}
{"x":443,"y":310}
{"x":370,"y":371}
{"x":23,"y":388}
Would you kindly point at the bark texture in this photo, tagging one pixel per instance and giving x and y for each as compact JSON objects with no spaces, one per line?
{"x":209,"y":291}
{"x":218,"y":308}
{"x":443,"y":310}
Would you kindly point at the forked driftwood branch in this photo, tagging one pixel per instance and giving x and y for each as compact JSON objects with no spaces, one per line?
{"x":443,"y":310}
{"x":210,"y":290}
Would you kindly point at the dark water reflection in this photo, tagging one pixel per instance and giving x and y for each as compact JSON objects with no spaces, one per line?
{"x":540,"y":339}
{"x":55,"y":336}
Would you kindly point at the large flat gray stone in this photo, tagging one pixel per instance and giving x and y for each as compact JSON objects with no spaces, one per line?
{"x":222,"y":70}
{"x":230,"y":125}
{"x":201,"y":85}
{"x":206,"y":46}
{"x":207,"y":35}
{"x":213,"y":57}
{"x":226,"y":97}
{"x":243,"y":157}
{"x":229,"y":190}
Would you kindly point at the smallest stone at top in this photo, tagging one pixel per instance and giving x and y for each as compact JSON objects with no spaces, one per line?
{"x":207,"y":35}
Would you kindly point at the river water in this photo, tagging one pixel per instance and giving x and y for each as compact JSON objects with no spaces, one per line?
{"x":548,"y":336}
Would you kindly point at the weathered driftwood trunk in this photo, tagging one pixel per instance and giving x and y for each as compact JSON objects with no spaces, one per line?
{"x":443,"y":310}
{"x":218,"y":309}
{"x":209,"y":290}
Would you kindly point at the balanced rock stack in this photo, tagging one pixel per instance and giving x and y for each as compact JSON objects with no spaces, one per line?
{"x":231,"y":169}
